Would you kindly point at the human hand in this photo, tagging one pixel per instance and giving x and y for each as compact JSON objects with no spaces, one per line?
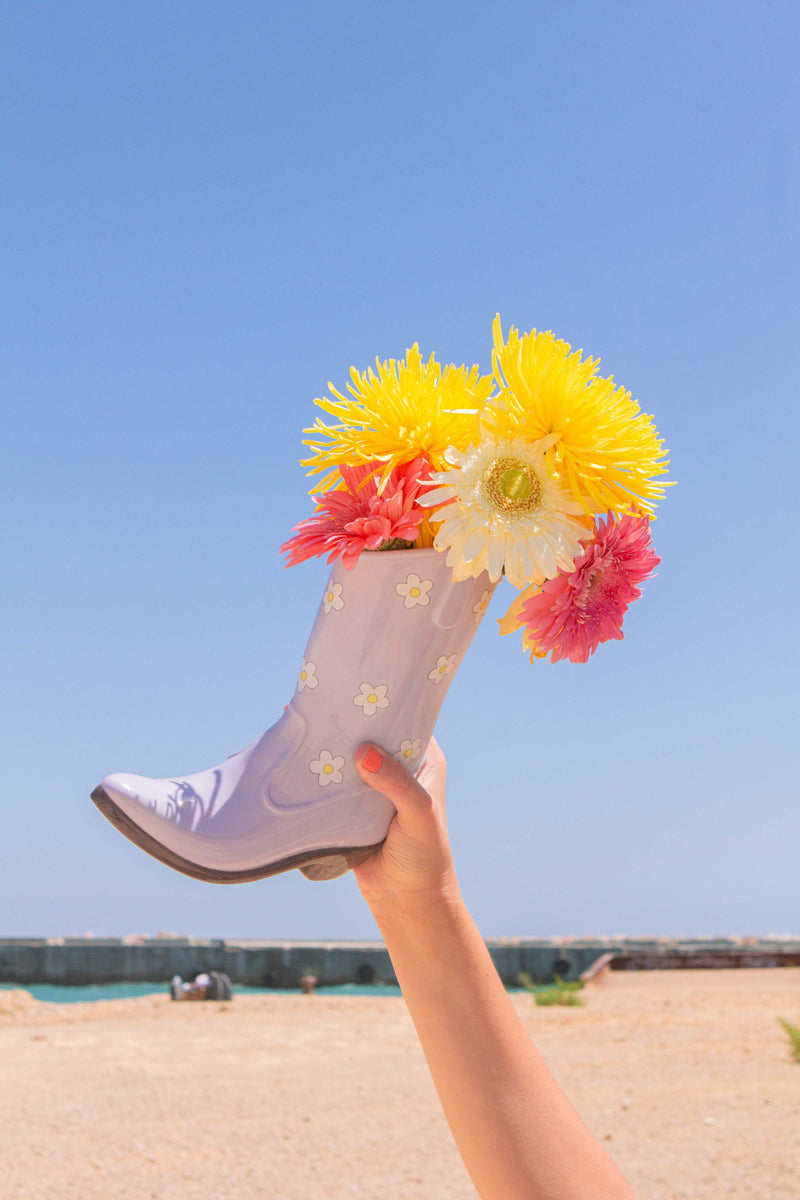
{"x":414,"y":865}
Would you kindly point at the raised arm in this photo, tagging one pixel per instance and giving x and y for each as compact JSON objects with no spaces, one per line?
{"x":517,"y":1133}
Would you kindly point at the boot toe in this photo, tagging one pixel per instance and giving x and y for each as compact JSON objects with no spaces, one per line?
{"x":121,"y":788}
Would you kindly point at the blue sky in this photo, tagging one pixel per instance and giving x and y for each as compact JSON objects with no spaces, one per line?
{"x":213,"y":209}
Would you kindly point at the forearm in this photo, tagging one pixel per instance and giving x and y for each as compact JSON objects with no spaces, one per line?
{"x":519,"y":1137}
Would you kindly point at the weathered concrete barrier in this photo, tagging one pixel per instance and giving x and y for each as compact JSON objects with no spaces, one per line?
{"x":280,"y":964}
{"x":257,"y":964}
{"x":599,"y":969}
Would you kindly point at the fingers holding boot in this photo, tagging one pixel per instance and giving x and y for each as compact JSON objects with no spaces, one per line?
{"x":415,"y":859}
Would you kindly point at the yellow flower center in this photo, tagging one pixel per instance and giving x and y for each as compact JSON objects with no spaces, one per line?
{"x":442,"y":668}
{"x":304,"y":675}
{"x":372,"y":698}
{"x":327,"y":769}
{"x":415,"y":592}
{"x":512,"y":485}
{"x":408,"y":752}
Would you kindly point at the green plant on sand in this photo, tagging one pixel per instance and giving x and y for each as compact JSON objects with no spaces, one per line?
{"x":793,"y":1034}
{"x":563,"y":991}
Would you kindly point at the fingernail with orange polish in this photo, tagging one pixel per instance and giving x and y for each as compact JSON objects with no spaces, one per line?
{"x":372,"y":761}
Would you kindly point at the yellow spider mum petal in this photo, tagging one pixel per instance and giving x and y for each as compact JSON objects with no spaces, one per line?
{"x":426,"y":533}
{"x":512,"y":622}
{"x":608,"y":451}
{"x":407,"y":408}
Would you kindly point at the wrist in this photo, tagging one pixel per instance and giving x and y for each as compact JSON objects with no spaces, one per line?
{"x":415,"y":907}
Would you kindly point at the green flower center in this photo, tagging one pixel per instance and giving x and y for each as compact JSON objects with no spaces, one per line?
{"x":512,"y":486}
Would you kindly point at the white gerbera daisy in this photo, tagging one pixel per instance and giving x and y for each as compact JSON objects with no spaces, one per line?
{"x":503,"y":507}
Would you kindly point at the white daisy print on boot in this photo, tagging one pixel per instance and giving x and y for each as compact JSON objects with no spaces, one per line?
{"x":444,"y":666}
{"x":332,"y":599}
{"x":327,"y":768}
{"x":307,"y":677}
{"x":480,"y":608}
{"x":415,"y":591}
{"x":371,"y":697}
{"x":408,"y":750}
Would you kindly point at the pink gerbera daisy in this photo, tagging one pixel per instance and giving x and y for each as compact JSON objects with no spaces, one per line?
{"x":358,"y":517}
{"x":570,"y":615}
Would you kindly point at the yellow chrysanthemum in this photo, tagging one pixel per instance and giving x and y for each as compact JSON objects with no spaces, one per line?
{"x":608,"y":451}
{"x":408,"y":408}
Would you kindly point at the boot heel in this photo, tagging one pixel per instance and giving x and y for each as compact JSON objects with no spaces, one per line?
{"x":331,"y":866}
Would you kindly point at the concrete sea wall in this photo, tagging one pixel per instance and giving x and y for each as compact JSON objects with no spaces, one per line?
{"x":280,"y":964}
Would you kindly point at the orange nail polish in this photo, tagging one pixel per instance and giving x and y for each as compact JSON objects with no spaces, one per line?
{"x":372,"y":761}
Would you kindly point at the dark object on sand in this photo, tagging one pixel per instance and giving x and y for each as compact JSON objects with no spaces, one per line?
{"x":220,"y":987}
{"x":213,"y":985}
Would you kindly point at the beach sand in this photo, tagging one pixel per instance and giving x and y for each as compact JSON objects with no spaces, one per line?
{"x":685,"y":1076}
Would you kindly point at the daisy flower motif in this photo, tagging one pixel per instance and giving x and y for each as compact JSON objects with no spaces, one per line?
{"x":444,"y":666}
{"x":327,"y":768}
{"x":569,"y":616}
{"x":504,"y":509}
{"x":480,"y":608}
{"x":408,"y":750}
{"x":370,"y":698}
{"x":415,"y":591}
{"x":332,"y":600}
{"x":307,"y":677}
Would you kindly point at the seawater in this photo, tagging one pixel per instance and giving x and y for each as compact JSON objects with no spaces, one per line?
{"x":60,"y":994}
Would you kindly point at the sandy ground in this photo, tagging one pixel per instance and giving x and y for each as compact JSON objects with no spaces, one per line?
{"x":684,"y":1076}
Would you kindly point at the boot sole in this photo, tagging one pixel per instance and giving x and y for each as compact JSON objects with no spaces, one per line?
{"x":317,"y":865}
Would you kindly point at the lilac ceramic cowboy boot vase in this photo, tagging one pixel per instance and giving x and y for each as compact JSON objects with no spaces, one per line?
{"x":388,"y":639}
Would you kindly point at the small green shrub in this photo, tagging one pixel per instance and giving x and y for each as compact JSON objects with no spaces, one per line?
{"x":793,"y":1034}
{"x":526,"y":980}
{"x":556,"y":995}
{"x":568,"y":985}
{"x":562,"y":992}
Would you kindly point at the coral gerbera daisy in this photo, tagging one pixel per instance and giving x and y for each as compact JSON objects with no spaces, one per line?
{"x":570,"y":615}
{"x":354,"y":517}
{"x":608,"y":450}
{"x":503,"y":508}
{"x":408,"y":408}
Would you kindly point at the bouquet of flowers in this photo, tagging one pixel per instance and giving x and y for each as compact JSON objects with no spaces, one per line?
{"x":543,"y":471}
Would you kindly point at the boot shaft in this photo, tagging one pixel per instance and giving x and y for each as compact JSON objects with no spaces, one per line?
{"x":388,"y":638}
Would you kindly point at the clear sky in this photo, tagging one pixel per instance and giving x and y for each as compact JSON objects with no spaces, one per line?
{"x":212,"y":209}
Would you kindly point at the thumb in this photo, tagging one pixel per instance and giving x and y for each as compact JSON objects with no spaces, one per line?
{"x":389,"y":777}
